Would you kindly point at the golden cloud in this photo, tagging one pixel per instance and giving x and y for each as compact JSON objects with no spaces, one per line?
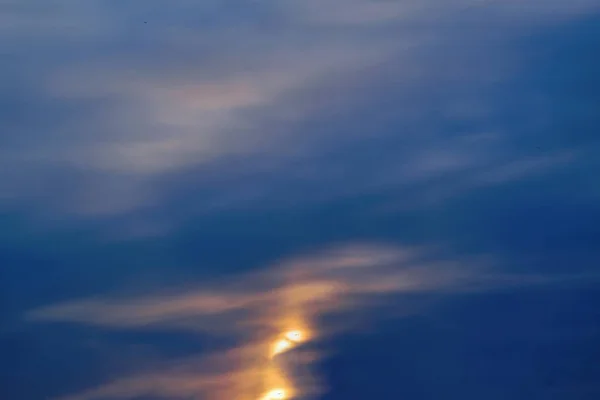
{"x":272,"y":314}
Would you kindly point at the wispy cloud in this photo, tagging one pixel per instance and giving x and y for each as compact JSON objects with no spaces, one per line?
{"x":153,"y":98}
{"x":253,"y":310}
{"x":145,"y":117}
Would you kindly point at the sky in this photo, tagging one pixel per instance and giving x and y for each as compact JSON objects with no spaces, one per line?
{"x":299,"y":199}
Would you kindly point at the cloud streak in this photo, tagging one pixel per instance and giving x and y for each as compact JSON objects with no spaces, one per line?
{"x":275,"y":126}
{"x":214,"y":95}
{"x":252,"y":310}
{"x":255,"y":309}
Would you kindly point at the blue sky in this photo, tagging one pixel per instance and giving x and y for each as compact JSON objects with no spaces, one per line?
{"x":410,"y":184}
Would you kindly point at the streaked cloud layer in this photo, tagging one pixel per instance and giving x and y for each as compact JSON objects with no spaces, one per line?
{"x":296,"y":296}
{"x":134,"y":93}
{"x":194,"y":180}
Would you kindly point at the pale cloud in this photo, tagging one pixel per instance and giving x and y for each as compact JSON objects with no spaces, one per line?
{"x":158,"y":119}
{"x":523,"y":168}
{"x":498,"y":173}
{"x":321,"y":279}
{"x":255,"y":308}
{"x":174,"y":97}
{"x":236,"y":373}
{"x":183,"y":117}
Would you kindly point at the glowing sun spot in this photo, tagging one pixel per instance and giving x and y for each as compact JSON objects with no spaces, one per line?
{"x":289,"y":340}
{"x":294,"y":336}
{"x":277,"y":394}
{"x":281,"y":346}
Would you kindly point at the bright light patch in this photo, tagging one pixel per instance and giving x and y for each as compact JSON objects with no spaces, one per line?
{"x":294,"y":336}
{"x":277,"y":394}
{"x":290,"y":340}
{"x":281,"y":346}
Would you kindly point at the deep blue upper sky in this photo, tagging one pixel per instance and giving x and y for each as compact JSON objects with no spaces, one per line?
{"x":413,"y":183}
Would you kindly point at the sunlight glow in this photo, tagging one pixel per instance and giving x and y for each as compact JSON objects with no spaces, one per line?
{"x":288,"y":341}
{"x":294,"y":336}
{"x":281,"y":346}
{"x":276,"y":394}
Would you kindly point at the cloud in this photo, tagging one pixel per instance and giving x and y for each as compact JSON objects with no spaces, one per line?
{"x":146,"y":120}
{"x":251,"y":310}
{"x":146,"y":95}
{"x":264,"y":127}
{"x":306,"y":282}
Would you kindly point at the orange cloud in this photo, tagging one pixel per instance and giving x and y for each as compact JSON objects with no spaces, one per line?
{"x":270,"y":313}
